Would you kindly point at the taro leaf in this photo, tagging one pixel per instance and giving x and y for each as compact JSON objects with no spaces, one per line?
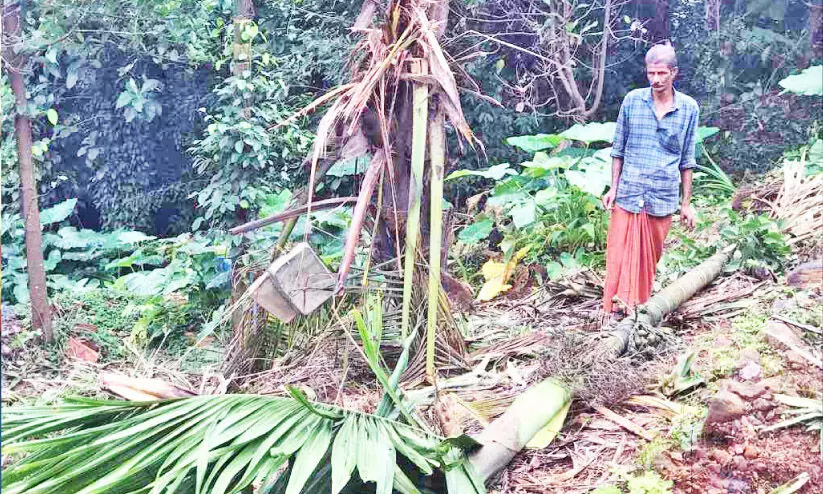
{"x":58,"y":212}
{"x":593,"y":179}
{"x":543,"y":161}
{"x":53,"y":260}
{"x":353,"y":166}
{"x":123,"y":100}
{"x":497,"y":275}
{"x":274,"y":203}
{"x":495,"y":172}
{"x":133,"y":237}
{"x":704,"y":133}
{"x":51,"y":114}
{"x":807,"y":83}
{"x":554,"y":270}
{"x":523,"y":214}
{"x":477,"y":231}
{"x":815,"y":156}
{"x":534,"y":143}
{"x":591,"y":132}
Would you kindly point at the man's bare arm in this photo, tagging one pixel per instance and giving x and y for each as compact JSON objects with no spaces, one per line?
{"x":686,"y":180}
{"x":611,"y":195}
{"x":686,"y":210}
{"x":617,"y":168}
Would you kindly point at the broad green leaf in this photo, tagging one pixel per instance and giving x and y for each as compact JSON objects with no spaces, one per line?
{"x":123,"y":100}
{"x":309,"y":456}
{"x":808,"y":82}
{"x":476,"y":232}
{"x":354,"y":166}
{"x":591,"y":132}
{"x":534,"y":143}
{"x":594,"y":178}
{"x":342,"y":459}
{"x":523,"y":214}
{"x":51,"y":114}
{"x":495,"y":172}
{"x":58,"y":212}
{"x":543,"y":161}
{"x":133,"y":237}
{"x":704,"y":133}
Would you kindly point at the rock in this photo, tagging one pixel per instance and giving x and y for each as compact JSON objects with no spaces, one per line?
{"x":725,"y":406}
{"x":82,"y":350}
{"x":774,"y":384}
{"x":738,"y":449}
{"x":763,"y":405}
{"x":782,"y":335}
{"x":748,"y":355}
{"x":750,"y":452}
{"x":751,"y":371}
{"x":747,"y":391}
{"x":722,"y":457}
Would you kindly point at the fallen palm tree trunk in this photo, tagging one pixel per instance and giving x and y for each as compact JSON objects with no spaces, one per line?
{"x":540,"y":410}
{"x":667,"y":300}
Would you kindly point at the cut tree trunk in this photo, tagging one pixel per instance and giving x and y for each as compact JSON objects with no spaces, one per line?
{"x":542,"y":408}
{"x":667,"y":300}
{"x":40,"y":311}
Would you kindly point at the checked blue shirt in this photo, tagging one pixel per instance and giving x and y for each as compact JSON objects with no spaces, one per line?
{"x":653,"y":151}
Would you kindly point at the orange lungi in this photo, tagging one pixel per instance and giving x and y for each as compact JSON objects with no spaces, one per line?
{"x":633,"y":247}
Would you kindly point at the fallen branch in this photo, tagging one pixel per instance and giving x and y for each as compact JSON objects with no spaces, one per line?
{"x":141,"y":389}
{"x":798,"y":325}
{"x":291,"y":213}
{"x":624,"y":423}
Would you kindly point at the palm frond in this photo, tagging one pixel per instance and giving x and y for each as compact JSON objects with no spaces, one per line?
{"x":218,"y":444}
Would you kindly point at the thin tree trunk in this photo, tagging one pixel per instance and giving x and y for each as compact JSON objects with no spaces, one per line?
{"x":243,"y":14}
{"x":40,"y":312}
{"x":816,"y":28}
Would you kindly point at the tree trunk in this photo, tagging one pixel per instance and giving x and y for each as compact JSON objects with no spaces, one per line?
{"x":40,"y":312}
{"x":667,"y":300}
{"x":243,"y":14}
{"x":816,"y":28}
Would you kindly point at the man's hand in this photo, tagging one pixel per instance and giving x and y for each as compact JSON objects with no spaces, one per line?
{"x":687,"y":216}
{"x":608,"y":199}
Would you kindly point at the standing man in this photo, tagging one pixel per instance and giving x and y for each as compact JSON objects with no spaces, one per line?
{"x":652,"y":155}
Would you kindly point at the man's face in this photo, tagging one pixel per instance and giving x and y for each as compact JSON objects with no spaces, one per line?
{"x":661,"y":77}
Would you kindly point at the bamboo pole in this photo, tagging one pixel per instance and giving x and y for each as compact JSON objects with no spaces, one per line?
{"x":420,"y":112}
{"x":437,"y":159}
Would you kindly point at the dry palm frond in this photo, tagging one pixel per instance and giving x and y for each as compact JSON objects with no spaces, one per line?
{"x":800,"y":202}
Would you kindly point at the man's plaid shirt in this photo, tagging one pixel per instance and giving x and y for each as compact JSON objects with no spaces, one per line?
{"x":653,"y":151}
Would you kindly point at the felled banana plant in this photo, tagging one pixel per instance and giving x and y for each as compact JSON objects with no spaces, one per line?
{"x":222,"y":444}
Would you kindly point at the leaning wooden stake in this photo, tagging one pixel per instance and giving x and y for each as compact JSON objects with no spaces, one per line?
{"x":420,"y":114}
{"x":437,"y":159}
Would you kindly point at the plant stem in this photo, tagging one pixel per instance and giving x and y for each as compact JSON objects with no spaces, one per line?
{"x":437,"y":159}
{"x":420,"y":113}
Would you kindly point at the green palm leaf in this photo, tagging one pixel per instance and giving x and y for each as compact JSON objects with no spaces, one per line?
{"x":217,"y":445}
